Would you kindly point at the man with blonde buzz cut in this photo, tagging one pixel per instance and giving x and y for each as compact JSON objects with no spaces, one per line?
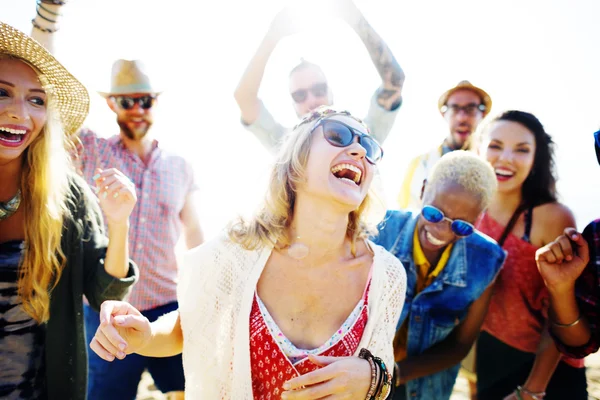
{"x":450,"y":269}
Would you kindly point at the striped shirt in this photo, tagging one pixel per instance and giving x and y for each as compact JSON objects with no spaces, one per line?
{"x":162,"y":186}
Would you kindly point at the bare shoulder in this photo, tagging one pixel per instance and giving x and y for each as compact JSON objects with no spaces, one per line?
{"x":551,"y":220}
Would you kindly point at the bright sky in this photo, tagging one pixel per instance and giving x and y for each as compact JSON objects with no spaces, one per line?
{"x":540,"y":56}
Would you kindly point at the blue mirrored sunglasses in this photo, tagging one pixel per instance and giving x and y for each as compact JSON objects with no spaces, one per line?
{"x":458,"y":226}
{"x":597,"y":145}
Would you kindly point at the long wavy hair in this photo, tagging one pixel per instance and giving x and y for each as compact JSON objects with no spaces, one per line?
{"x":270,"y":225}
{"x":540,"y":185}
{"x":45,"y":196}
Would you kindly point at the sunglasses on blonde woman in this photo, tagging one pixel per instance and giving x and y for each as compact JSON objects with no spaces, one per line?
{"x":339,"y":134}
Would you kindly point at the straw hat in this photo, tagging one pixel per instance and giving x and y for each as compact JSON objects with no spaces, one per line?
{"x":127,"y":77}
{"x":70,"y":95}
{"x":466,"y":85}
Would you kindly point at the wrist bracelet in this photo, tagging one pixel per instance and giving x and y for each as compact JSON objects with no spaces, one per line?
{"x":558,"y":324}
{"x":45,"y":30}
{"x":366,"y":355}
{"x":534,"y":395}
{"x":40,"y":4}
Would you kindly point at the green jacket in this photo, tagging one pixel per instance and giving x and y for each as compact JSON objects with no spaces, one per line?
{"x":84,"y":245}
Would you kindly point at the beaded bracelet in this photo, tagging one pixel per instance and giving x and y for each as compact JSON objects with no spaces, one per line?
{"x":40,"y":4}
{"x":45,"y":30}
{"x":55,"y":2}
{"x":365,"y":354}
{"x":385,"y":382}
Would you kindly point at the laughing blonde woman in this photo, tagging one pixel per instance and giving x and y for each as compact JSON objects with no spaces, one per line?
{"x":296,"y":303}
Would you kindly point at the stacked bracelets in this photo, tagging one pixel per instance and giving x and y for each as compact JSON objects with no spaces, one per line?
{"x":381,"y":379}
{"x":534,"y":395}
{"x":46,"y":14}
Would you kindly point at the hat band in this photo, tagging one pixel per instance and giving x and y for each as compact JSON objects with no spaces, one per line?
{"x":133,"y":88}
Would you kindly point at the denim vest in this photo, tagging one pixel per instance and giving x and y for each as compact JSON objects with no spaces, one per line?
{"x":473,"y":264}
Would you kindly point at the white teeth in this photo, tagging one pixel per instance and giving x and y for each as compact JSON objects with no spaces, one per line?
{"x":503,"y":172}
{"x":434,"y":241}
{"x":13,"y":131}
{"x":350,"y":167}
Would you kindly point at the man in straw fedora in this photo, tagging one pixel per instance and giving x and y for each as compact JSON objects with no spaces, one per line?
{"x":463,"y":107}
{"x":165,"y":186}
{"x":166,"y":208}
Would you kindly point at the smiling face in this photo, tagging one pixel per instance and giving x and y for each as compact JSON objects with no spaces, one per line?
{"x":22,"y":108}
{"x":456,"y":203}
{"x":339,"y":174}
{"x":310,"y":86}
{"x":510,"y":149}
{"x":462,"y":116}
{"x":136,"y":121}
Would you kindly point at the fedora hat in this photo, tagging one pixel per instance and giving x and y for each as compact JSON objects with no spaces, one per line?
{"x":72,"y":98}
{"x":466,"y":85}
{"x":127,"y":77}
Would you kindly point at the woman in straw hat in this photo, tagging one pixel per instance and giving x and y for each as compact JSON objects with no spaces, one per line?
{"x":295,"y":303}
{"x":52,"y":248}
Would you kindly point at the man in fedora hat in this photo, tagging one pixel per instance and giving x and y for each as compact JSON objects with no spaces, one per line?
{"x":165,"y":187}
{"x":308,"y":85}
{"x":463,"y":107}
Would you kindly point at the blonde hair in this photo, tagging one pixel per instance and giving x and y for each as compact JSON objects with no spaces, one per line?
{"x":467,"y":170}
{"x":270,"y":224}
{"x":45,"y":190}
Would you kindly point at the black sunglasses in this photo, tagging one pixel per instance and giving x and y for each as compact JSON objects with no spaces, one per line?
{"x":469,"y":109}
{"x":128,"y":102}
{"x":318,"y":90}
{"x":339,"y":134}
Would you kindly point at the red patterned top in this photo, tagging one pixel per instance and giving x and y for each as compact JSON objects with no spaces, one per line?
{"x":519,"y":305}
{"x":271,"y":368}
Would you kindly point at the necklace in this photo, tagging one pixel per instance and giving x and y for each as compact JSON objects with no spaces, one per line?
{"x":11,"y":206}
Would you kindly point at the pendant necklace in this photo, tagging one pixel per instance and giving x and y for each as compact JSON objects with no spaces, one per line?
{"x":10,"y":207}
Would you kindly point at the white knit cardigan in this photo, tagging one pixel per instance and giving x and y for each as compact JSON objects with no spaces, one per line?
{"x":215,"y":294}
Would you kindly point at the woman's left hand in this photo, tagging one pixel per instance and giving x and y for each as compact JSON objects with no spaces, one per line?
{"x":116,"y":194}
{"x":340,"y":378}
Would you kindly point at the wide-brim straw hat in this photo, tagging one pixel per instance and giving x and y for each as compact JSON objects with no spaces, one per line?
{"x":71,"y":97}
{"x":466,"y":85}
{"x":129,"y":77}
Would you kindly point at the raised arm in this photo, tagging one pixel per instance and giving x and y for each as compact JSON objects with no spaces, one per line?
{"x":45,"y":22}
{"x":392,"y":76}
{"x":246,"y":93}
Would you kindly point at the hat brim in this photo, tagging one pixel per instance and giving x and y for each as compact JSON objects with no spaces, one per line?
{"x":71,"y":97}
{"x":124,"y":92}
{"x":485,"y":97}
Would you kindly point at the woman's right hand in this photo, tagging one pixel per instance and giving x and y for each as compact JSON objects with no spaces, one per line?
{"x":123,"y":330}
{"x":562,"y":261}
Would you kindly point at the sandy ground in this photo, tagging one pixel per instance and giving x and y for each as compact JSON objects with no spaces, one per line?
{"x":147,"y":391}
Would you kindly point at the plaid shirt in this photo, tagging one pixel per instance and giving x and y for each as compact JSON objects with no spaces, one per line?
{"x":162,"y":187}
{"x":587,"y":290}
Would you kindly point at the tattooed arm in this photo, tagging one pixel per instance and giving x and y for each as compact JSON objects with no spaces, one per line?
{"x":392,"y":75}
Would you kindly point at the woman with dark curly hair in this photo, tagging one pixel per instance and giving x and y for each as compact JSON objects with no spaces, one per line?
{"x":516,"y":358}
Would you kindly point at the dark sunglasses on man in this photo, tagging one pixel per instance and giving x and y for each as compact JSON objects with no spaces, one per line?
{"x":469,"y":109}
{"x":127,"y":102}
{"x":339,"y":134}
{"x":317,"y":90}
